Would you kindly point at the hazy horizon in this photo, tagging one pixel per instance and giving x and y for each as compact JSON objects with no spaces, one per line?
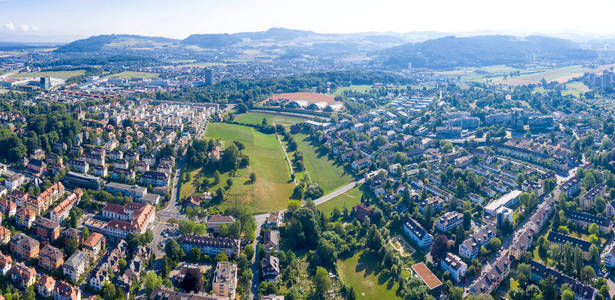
{"x":66,"y":20}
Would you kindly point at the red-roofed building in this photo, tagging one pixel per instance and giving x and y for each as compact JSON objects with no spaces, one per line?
{"x":361,"y":212}
{"x":93,"y":244}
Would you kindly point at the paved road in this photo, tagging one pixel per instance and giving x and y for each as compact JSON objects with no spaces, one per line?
{"x":172,"y":208}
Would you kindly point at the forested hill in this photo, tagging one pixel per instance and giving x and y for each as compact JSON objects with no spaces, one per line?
{"x":225,"y":39}
{"x":250,"y":90}
{"x":450,"y":52}
{"x":99,"y":42}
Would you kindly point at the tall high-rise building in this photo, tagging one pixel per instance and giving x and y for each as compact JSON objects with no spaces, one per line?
{"x":209,"y":76}
{"x":45,"y":83}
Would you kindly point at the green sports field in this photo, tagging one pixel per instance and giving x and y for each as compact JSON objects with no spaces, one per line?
{"x":256,"y":118}
{"x":273,"y":187}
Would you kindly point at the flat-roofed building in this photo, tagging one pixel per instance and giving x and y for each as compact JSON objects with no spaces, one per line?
{"x":225,"y":280}
{"x":431,"y":281}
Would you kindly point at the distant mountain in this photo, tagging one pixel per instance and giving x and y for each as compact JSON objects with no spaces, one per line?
{"x":101,"y":42}
{"x":225,"y":40}
{"x":211,"y":40}
{"x":276,"y":34}
{"x":450,"y":52}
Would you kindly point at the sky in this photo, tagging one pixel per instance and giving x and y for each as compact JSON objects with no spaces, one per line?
{"x":64,"y":20}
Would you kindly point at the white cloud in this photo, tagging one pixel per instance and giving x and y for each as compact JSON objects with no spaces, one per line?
{"x":9,"y":26}
{"x":12,"y":27}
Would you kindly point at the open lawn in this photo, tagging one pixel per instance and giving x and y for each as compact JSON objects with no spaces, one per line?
{"x":273,"y":186}
{"x":368,"y":277}
{"x":256,"y":118}
{"x":326,"y":172}
{"x":347,"y":199}
{"x":575,"y":89}
{"x":55,"y":74}
{"x":130,"y":75}
{"x":362,"y":88}
{"x":187,"y":188}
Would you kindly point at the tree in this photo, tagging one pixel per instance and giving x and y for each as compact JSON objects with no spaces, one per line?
{"x":589,"y":180}
{"x":467,"y":219}
{"x":122,"y":264}
{"x":30,"y":294}
{"x":223,"y":231}
{"x":547,"y":286}
{"x":216,"y":177}
{"x":234,"y":230}
{"x":193,"y":280}
{"x":72,"y":245}
{"x":439,"y":247}
{"x":374,"y":239}
{"x":593,"y":229}
{"x":86,"y":233}
{"x":523,"y":274}
{"x":588,"y":273}
{"x":494,"y":244}
{"x":594,"y":253}
{"x":221,"y":257}
{"x":252,"y":177}
{"x":151,"y":281}
{"x":195,"y":254}
{"x":428,"y":216}
{"x":322,"y":282}
{"x":109,"y":291}
{"x":327,"y":253}
{"x":567,"y":294}
{"x":242,"y":108}
{"x":173,"y":250}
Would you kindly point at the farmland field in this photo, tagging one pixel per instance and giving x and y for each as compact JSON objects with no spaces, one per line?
{"x":55,"y":74}
{"x":130,"y":75}
{"x":256,"y":118}
{"x":273,"y":187}
{"x":326,"y":172}
{"x":364,"y":273}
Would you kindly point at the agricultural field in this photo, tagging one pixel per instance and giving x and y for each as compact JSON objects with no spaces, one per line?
{"x":256,"y":118}
{"x":347,"y":199}
{"x":130,"y":75}
{"x":355,"y":88}
{"x":55,"y":74}
{"x":326,"y":172}
{"x":273,"y":186}
{"x":368,"y":277}
{"x":496,"y":74}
